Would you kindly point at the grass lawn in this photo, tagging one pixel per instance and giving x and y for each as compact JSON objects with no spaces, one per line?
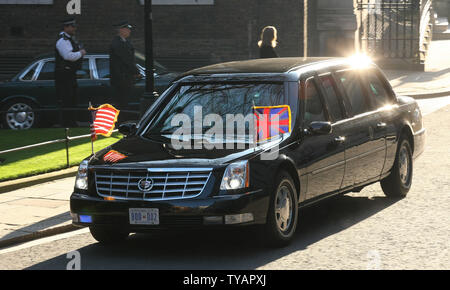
{"x":48,"y":157}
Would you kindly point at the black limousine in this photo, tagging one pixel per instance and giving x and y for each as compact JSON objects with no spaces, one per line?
{"x":319,"y":127}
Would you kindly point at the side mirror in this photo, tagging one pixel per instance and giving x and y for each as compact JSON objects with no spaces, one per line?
{"x":320,"y":128}
{"x":127,"y":129}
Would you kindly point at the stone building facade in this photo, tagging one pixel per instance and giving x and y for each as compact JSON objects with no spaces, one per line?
{"x":330,"y":27}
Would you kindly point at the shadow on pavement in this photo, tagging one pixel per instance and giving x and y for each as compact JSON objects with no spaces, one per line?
{"x":39,"y":226}
{"x":231,"y":249}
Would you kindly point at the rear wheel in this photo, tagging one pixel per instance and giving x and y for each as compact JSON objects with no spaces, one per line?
{"x":283,"y":213}
{"x":398,"y":183}
{"x":19,"y":115}
{"x":108,"y":235}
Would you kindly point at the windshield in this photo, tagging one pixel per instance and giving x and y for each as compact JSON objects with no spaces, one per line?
{"x":159,"y":68}
{"x":211,"y":108}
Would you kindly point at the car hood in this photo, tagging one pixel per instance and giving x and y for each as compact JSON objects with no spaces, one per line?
{"x":141,"y":152}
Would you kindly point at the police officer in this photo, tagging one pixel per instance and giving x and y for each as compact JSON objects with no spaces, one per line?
{"x":122,"y":65}
{"x":68,"y":59}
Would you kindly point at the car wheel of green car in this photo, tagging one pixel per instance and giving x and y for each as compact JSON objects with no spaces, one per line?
{"x":19,"y":115}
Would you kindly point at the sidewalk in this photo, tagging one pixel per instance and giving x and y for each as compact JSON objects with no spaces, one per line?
{"x":35,"y":212}
{"x":434,"y":82}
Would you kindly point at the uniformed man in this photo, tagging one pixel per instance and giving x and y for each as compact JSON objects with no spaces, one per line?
{"x":122,"y":65}
{"x":68,"y":59}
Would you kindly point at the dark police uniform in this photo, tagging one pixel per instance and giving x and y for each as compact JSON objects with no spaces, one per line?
{"x":122,"y":68}
{"x":65,"y":78}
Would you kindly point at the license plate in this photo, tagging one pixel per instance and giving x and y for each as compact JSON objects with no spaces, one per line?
{"x":144,"y":216}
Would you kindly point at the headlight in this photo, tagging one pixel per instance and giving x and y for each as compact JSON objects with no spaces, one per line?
{"x":237,"y":175}
{"x":81,"y":182}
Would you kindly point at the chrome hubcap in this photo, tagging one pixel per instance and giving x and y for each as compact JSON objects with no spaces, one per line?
{"x":404,"y":166}
{"x":20,"y":116}
{"x":283,"y":208}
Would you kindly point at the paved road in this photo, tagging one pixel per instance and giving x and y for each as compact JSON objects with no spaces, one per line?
{"x":429,"y":106}
{"x":356,"y":231}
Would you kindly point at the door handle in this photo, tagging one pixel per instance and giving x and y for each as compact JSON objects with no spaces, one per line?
{"x":340,"y":139}
{"x":381,"y":125}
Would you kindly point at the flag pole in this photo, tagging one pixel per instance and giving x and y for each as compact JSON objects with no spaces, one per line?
{"x":92,"y":124}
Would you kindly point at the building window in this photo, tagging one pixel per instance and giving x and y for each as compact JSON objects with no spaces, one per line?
{"x":38,"y":2}
{"x":180,"y":2}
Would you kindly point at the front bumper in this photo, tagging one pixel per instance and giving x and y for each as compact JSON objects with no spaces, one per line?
{"x":183,"y":213}
{"x":419,"y":142}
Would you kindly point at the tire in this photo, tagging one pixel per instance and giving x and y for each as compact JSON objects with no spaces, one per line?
{"x":16,"y":119}
{"x":282,"y":216}
{"x":108,"y":235}
{"x":398,"y":183}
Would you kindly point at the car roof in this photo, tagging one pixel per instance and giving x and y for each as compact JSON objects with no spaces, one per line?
{"x":50,"y":55}
{"x":267,"y":65}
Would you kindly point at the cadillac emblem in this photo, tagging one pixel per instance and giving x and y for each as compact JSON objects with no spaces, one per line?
{"x":145,"y":184}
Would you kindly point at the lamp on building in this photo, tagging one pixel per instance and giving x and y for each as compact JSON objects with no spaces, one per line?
{"x":149,"y":95}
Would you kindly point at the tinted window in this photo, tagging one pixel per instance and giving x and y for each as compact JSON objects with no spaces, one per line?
{"x":102,"y":68}
{"x":218,"y":99}
{"x":378,"y":90}
{"x":85,"y":72}
{"x":47,"y":71}
{"x":313,"y":104}
{"x":331,"y":97}
{"x":30,"y":74}
{"x":352,"y":87}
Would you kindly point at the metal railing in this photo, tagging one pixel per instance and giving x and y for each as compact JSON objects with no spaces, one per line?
{"x":62,"y":109}
{"x":66,"y":140}
{"x":393,"y":28}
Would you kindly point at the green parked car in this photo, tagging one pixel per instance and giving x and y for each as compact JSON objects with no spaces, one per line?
{"x":27,"y":99}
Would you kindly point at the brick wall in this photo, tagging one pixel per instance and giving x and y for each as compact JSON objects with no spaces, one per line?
{"x":227,"y":30}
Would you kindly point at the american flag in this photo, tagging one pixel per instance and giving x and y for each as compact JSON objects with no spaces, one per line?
{"x":113,"y":156}
{"x":271,"y":121}
{"x":103,"y":120}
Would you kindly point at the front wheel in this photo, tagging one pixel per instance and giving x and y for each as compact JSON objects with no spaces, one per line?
{"x":108,"y":235}
{"x":398,"y":183}
{"x":283,"y":213}
{"x":19,"y":115}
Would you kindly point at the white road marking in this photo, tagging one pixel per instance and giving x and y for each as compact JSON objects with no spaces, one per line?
{"x":43,"y":241}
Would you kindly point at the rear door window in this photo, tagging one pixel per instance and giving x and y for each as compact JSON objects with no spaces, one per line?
{"x":353,"y":89}
{"x":85,"y":72}
{"x":29,"y":75}
{"x":102,"y":68}
{"x":47,"y":72}
{"x":331,"y":97}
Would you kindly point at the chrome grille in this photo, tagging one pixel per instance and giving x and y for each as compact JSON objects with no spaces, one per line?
{"x":168,"y":183}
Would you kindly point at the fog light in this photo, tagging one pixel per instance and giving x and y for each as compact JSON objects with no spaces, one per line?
{"x":85,"y":219}
{"x":238,"y":218}
{"x":213,"y":220}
